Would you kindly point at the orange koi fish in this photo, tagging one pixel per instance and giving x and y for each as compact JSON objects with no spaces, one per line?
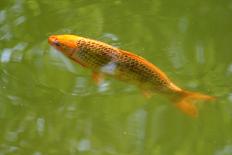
{"x":104,"y":59}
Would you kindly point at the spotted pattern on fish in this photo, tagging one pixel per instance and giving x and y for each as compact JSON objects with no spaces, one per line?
{"x":102,"y":58}
{"x":128,"y":68}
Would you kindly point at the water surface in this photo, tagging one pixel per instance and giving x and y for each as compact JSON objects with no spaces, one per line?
{"x":49,"y":105}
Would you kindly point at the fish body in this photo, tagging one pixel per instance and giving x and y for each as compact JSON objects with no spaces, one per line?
{"x":104,"y":59}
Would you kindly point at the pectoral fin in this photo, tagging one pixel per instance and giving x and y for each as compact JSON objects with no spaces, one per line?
{"x":147,"y":94}
{"x":97,"y":77}
{"x":78,"y":61}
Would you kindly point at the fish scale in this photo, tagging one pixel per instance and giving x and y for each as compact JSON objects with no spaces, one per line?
{"x":96,"y":55}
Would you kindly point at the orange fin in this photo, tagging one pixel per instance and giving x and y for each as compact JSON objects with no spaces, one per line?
{"x":188,"y":108}
{"x":78,"y":61}
{"x":147,"y":94}
{"x":97,"y":77}
{"x":186,"y":99}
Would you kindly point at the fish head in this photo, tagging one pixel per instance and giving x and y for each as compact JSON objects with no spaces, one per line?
{"x":67,"y":44}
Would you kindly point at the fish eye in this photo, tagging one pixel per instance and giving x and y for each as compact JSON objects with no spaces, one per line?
{"x":57,"y":43}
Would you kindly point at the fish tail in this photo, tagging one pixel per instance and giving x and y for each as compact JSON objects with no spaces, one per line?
{"x":185,"y":101}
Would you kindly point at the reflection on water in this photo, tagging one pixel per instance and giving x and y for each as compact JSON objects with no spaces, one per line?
{"x":49,"y":105}
{"x":14,"y":54}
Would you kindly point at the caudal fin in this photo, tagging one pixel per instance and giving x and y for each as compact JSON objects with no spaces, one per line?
{"x":186,"y":99}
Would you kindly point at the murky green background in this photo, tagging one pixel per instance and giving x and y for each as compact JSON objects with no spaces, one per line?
{"x":50,"y":106}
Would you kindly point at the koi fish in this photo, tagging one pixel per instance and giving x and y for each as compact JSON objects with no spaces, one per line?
{"x":104,"y":59}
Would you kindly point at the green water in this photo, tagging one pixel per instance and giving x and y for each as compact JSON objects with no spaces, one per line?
{"x":50,"y":106}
